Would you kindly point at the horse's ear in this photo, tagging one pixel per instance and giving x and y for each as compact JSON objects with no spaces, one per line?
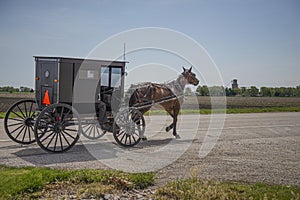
{"x":190,"y":70}
{"x":184,"y":69}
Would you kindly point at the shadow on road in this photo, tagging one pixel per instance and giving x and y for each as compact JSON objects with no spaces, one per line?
{"x":39,"y":157}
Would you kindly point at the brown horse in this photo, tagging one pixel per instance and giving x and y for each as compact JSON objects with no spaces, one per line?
{"x":169,"y":96}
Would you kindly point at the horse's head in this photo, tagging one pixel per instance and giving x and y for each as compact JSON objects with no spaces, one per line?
{"x":190,"y":76}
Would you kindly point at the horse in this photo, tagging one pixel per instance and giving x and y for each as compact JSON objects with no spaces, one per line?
{"x":169,"y":96}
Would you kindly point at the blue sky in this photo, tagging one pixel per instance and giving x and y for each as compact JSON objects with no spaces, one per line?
{"x":257,"y":42}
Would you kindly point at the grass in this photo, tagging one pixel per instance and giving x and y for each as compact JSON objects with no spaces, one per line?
{"x":37,"y":182}
{"x":195,"y":189}
{"x":230,"y":110}
{"x":19,"y":182}
{"x":2,"y":115}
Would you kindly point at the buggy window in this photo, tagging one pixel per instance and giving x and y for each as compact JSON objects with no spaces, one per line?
{"x":111,"y":76}
{"x":116,"y":74}
{"x":104,"y":76}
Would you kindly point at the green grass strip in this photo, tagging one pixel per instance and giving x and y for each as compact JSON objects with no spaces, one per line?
{"x":230,"y":110}
{"x":2,"y":115}
{"x":196,"y":189}
{"x":16,"y":182}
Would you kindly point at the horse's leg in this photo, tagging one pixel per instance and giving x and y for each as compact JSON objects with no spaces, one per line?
{"x":176,"y":109}
{"x":175,"y":123}
{"x":173,"y":111}
{"x":170,"y":111}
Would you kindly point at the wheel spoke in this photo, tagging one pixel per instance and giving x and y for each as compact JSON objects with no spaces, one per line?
{"x":17,"y":115}
{"x":21,"y":111}
{"x":51,"y":140}
{"x":134,"y":138}
{"x":120,"y":132}
{"x":55,"y":141}
{"x":20,"y":132}
{"x":123,"y":137}
{"x":129,"y":139}
{"x":19,"y":120}
{"x":61,"y":113}
{"x":66,"y":115}
{"x":25,"y":109}
{"x":25,"y":131}
{"x":61,"y":144}
{"x":69,"y":134}
{"x":87,"y":130}
{"x":16,"y":129}
{"x":47,"y":136}
{"x":126,"y":138}
{"x":65,"y":138}
{"x":29,"y":133}
{"x":30,"y":109}
{"x":98,"y":131}
{"x":15,"y":124}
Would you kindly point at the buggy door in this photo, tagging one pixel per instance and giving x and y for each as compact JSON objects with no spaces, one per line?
{"x":111,"y":85}
{"x":46,"y":83}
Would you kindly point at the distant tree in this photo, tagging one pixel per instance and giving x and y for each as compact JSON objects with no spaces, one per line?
{"x":216,"y":91}
{"x":243,"y":91}
{"x":253,"y":91}
{"x":265,"y":92}
{"x":203,"y":91}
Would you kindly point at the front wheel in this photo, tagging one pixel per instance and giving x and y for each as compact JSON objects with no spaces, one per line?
{"x":129,"y":127}
{"x":57,"y":128}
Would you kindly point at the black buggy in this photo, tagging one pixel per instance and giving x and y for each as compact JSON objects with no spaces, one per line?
{"x":55,"y":122}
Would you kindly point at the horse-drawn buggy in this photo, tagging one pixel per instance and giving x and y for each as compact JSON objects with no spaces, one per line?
{"x":57,"y":117}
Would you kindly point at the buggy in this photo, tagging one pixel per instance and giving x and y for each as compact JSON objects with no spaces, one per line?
{"x":55,"y":122}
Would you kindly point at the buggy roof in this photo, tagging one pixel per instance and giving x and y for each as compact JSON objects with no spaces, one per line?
{"x":57,"y":58}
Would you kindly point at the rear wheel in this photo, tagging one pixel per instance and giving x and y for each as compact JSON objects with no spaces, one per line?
{"x":19,"y":121}
{"x":129,"y":127}
{"x":57,"y":128}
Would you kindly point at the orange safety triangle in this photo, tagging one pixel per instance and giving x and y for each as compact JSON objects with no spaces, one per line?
{"x":46,"y":99}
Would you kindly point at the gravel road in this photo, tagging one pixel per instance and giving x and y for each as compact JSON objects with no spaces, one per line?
{"x":261,"y":147}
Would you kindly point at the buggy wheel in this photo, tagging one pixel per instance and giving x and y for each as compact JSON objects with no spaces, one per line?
{"x":57,"y":128}
{"x":129,"y":127}
{"x":19,"y":121}
{"x":91,"y":129}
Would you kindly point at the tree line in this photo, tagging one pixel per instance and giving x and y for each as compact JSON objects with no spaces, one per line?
{"x":252,"y":91}
{"x":11,"y":89}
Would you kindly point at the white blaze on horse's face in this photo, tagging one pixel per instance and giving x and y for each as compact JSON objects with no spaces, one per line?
{"x":190,"y":76}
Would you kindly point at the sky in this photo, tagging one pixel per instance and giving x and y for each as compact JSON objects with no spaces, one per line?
{"x":255,"y":41}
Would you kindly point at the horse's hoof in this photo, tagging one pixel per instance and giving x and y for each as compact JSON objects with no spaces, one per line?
{"x":177,"y":136}
{"x":143,"y":138}
{"x":168,"y":129}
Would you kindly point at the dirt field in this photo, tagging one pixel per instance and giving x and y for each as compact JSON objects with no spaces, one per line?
{"x":6,"y":100}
